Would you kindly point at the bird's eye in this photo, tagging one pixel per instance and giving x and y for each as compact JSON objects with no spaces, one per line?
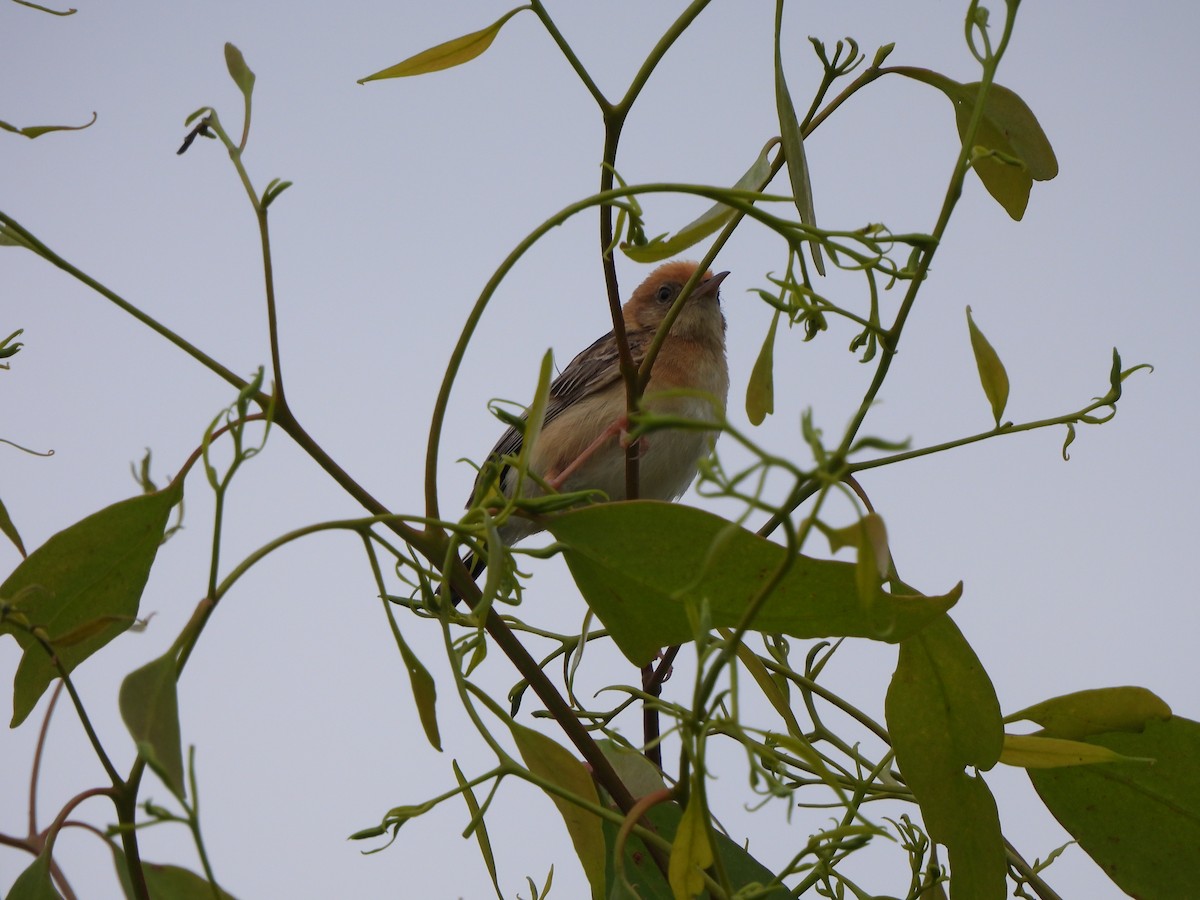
{"x":665,"y":293}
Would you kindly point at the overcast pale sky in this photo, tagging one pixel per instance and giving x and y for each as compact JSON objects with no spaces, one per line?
{"x":407,"y":196}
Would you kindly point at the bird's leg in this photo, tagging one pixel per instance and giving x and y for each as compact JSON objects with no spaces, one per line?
{"x":620,"y":427}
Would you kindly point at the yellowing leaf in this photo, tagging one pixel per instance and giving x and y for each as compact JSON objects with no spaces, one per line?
{"x":552,"y":762}
{"x":992,"y":375}
{"x":446,"y":55}
{"x":1008,"y":127}
{"x":1031,"y":751}
{"x":643,"y":880}
{"x":691,"y":852}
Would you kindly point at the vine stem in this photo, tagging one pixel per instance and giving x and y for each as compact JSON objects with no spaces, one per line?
{"x":37,"y":756}
{"x":953,"y":191}
{"x":1032,"y":878}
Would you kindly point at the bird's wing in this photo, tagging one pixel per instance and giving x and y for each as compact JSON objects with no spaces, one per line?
{"x":590,"y":371}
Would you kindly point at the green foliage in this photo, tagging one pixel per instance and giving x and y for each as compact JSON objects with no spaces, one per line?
{"x":631,"y":872}
{"x":1083,"y":713}
{"x":151,"y":713}
{"x":691,"y":853}
{"x":658,"y":575}
{"x":1140,"y":822}
{"x":171,"y":882}
{"x":792,"y":137}
{"x":10,"y":530}
{"x":238,"y":70}
{"x":944,"y":718}
{"x":649,"y":593}
{"x":712,"y":220}
{"x":760,"y":388}
{"x":35,"y":131}
{"x":550,"y":761}
{"x":34,"y":883}
{"x":81,"y":589}
{"x":1008,"y":149}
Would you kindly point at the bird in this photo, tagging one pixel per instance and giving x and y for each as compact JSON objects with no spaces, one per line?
{"x":583,"y":439}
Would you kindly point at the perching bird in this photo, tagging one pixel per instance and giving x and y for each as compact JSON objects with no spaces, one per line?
{"x":582,"y":442}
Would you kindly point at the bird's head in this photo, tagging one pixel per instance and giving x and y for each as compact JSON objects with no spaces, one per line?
{"x":701,"y":316}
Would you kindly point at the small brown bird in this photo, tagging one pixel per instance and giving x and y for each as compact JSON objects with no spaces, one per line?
{"x":582,"y":442}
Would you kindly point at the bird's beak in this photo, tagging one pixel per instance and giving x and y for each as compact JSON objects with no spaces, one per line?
{"x":710,"y":286}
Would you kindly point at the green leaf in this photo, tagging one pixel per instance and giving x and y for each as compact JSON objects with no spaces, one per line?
{"x":775,"y":690}
{"x":424,"y":691}
{"x":10,"y":237}
{"x":1008,"y":127}
{"x":691,"y":852}
{"x":760,"y":390}
{"x":1070,"y":439}
{"x":551,"y":761}
{"x":34,"y":883}
{"x":447,"y":55}
{"x":273,"y":190}
{"x":640,"y":564}
{"x":10,"y":347}
{"x":711,"y":221}
{"x":46,"y":9}
{"x":36,"y":131}
{"x":942,"y":695}
{"x":10,"y":530}
{"x":638,"y":774}
{"x":793,"y":145}
{"x":992,"y":375}
{"x":480,"y":827}
{"x":874,"y":558}
{"x":644,"y":877}
{"x":1140,"y":823}
{"x":943,"y":716}
{"x":978,"y":862}
{"x":168,"y":882}
{"x":1032,"y":751}
{"x":1097,"y":711}
{"x":150,"y":710}
{"x":94,"y":570}
{"x":238,"y":70}
{"x":1005,"y":177}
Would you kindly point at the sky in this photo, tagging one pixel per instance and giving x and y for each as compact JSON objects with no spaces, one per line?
{"x":407,"y":195}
